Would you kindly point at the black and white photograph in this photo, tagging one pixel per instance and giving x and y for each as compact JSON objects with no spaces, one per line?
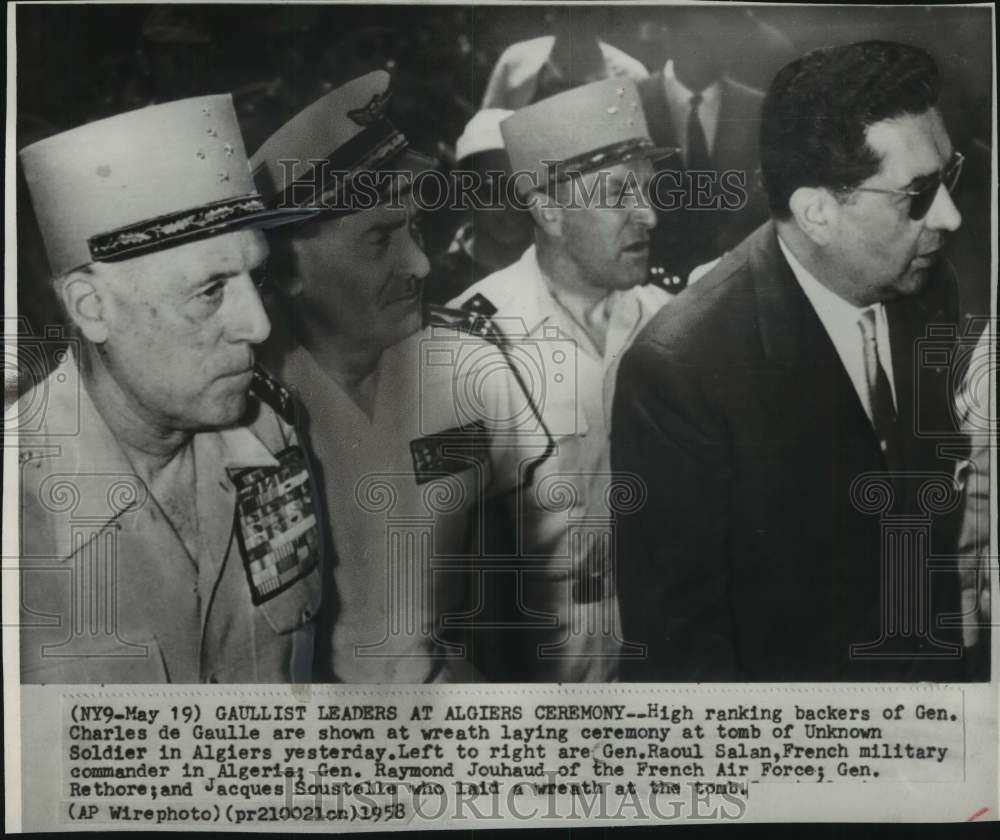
{"x":613,"y":380}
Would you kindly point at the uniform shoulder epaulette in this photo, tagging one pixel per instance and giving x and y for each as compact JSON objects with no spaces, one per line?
{"x":473,"y":318}
{"x":272,"y":393}
{"x":481,"y":305}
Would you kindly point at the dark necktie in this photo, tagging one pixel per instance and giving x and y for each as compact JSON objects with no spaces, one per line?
{"x":697,"y":145}
{"x":884,"y":417}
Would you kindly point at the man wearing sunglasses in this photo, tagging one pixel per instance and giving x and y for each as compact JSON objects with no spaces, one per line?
{"x":786,"y":413}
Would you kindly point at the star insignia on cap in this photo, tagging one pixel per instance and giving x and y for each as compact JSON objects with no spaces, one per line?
{"x":620,"y":91}
{"x":211,"y":132}
{"x":200,"y":154}
{"x":206,"y":112}
{"x":613,"y":110}
{"x":223,"y":176}
{"x":372,"y":111}
{"x":228,"y":149}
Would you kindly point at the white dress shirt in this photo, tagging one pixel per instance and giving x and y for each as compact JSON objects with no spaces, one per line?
{"x":679,"y":103}
{"x":840,"y":319}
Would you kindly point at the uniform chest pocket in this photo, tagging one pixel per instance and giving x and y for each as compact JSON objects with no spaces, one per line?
{"x":563,"y":414}
{"x":296,"y":606}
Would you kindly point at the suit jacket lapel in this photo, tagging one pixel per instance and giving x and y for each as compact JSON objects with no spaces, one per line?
{"x":793,"y":337}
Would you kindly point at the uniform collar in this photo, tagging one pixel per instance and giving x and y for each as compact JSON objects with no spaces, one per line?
{"x":625,"y":309}
{"x":527,"y":298}
{"x":239,"y":448}
{"x":92,"y":453}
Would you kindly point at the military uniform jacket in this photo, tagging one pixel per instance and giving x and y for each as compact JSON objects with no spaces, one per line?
{"x":571,"y":502}
{"x":402,"y":485}
{"x":111,"y":594}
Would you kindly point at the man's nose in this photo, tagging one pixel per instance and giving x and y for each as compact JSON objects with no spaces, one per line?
{"x":414,"y":260}
{"x":249,"y":321}
{"x":642,"y":209}
{"x":644,"y":213}
{"x":943,"y":215}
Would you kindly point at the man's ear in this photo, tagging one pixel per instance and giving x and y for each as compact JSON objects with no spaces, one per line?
{"x":815,"y":210}
{"x":546,"y":214}
{"x":82,"y":299}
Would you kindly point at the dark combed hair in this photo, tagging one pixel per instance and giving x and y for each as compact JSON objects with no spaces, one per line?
{"x":818,"y":108}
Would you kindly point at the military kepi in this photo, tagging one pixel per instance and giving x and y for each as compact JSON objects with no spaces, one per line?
{"x":314,"y":160}
{"x":584,"y":129}
{"x":142,"y":181}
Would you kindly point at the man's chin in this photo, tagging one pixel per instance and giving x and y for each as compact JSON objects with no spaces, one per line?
{"x":914,"y":281}
{"x":631,"y":279}
{"x":410,"y":323}
{"x":230,"y":410}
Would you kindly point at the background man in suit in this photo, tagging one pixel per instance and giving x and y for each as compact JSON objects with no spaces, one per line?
{"x":776,"y":408}
{"x":714,"y":121}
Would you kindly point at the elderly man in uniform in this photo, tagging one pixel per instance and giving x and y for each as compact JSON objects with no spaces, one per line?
{"x":167,"y":524}
{"x":589,"y":154}
{"x":405,"y":459}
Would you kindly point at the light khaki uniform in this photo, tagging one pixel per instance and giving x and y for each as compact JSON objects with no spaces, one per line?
{"x":404,"y":487}
{"x":109,"y":591}
{"x":565,"y":520}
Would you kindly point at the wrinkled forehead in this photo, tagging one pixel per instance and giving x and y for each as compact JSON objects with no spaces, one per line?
{"x":910,"y":146}
{"x":194,"y":262}
{"x":396,"y":208}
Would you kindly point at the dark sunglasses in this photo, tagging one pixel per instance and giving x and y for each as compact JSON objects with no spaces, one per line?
{"x":922,"y":199}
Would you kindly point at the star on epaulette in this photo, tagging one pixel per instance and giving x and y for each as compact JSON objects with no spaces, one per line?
{"x":272,"y":393}
{"x":481,"y":305}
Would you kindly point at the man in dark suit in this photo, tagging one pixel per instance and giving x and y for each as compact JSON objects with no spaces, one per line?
{"x":782,"y":414}
{"x":714,"y":120}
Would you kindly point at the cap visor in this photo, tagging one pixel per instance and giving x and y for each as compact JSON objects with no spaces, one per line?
{"x":279,"y":216}
{"x":258,"y":220}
